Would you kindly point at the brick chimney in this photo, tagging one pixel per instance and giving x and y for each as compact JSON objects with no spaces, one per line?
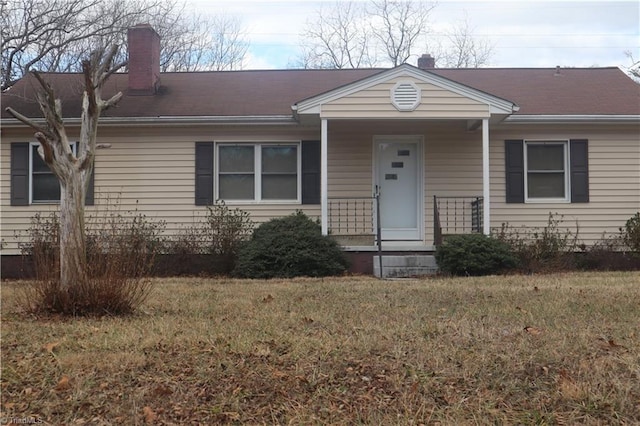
{"x":144,"y":60}
{"x":426,"y":62}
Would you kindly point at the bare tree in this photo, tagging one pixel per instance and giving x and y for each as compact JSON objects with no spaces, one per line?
{"x":398,"y":25}
{"x":352,"y":35}
{"x":338,"y":38}
{"x":73,"y":170}
{"x":54,"y":35}
{"x":464,"y":49}
{"x":634,"y":69}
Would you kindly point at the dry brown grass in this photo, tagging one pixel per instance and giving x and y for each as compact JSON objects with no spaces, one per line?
{"x":555,"y":349}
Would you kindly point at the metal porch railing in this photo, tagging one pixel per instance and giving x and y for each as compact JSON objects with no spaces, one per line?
{"x":352,"y":216}
{"x":456,"y":215}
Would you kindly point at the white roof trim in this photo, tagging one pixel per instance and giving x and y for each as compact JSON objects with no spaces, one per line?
{"x":497,"y":105}
{"x":172,"y":120}
{"x":525,"y":119}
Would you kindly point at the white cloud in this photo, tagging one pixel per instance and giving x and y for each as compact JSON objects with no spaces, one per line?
{"x":525,"y":33}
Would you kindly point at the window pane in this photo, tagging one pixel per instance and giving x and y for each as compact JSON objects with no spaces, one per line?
{"x":236,"y":159}
{"x":545,"y":185}
{"x":38,"y":163}
{"x":279,"y":187}
{"x":545,"y":157}
{"x":279,"y":159}
{"x":46,"y":187}
{"x":236,"y":187}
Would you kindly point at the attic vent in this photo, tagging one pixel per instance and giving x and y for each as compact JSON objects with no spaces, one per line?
{"x":405,"y":96}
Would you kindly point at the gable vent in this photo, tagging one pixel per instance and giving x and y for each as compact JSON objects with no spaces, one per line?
{"x":405,"y":96}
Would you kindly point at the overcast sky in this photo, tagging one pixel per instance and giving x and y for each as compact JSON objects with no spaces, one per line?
{"x":523,"y":33}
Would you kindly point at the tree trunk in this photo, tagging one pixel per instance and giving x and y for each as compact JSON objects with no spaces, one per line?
{"x":73,"y":258}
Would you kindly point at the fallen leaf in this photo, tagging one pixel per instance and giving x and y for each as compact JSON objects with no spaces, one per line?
{"x":610,"y":344}
{"x":63,"y":384}
{"x":149,"y":415}
{"x":49,"y":347}
{"x":162,"y":390}
{"x":534,"y":331}
{"x":614,"y":344}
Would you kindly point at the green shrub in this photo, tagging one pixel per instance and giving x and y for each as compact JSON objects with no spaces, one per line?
{"x":289,"y":247}
{"x":474,"y":254}
{"x":631,"y":233}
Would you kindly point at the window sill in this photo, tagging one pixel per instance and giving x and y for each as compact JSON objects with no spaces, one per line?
{"x":261,"y":202}
{"x":547,"y":201}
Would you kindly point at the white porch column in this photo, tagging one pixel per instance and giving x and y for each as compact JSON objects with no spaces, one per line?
{"x":486,"y":193}
{"x":324,"y":198}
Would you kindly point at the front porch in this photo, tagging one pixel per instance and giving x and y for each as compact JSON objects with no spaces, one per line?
{"x":404,"y":159}
{"x":353,"y":222}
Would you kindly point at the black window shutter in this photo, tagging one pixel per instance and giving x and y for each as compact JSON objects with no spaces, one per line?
{"x":20,"y":174}
{"x":89,"y":199}
{"x":514,"y":168}
{"x":204,"y":173}
{"x":579,"y":154}
{"x":310,"y":172}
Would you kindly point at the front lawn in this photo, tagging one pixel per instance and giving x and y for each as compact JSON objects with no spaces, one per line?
{"x":552,"y":349}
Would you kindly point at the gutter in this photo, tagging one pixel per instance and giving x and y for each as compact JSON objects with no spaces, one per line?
{"x":566,"y":119}
{"x":165,"y":121}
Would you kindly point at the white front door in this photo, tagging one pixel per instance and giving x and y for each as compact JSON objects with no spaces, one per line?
{"x":398,"y":176}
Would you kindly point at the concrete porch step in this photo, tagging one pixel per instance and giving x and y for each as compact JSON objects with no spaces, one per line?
{"x":402,"y":266}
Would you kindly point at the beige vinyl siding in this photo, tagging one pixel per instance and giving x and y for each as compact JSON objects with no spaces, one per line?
{"x":614,"y":180}
{"x":452,"y":162}
{"x":453,"y":167}
{"x":151,"y":172}
{"x":375,"y":102}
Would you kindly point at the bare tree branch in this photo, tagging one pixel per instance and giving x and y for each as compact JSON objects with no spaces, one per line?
{"x":464,"y":49}
{"x":56,"y":35}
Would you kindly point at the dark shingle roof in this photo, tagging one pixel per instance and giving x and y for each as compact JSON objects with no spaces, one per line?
{"x":575,"y":91}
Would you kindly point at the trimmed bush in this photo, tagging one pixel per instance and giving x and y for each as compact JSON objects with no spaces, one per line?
{"x":474,"y":254}
{"x":289,"y":247}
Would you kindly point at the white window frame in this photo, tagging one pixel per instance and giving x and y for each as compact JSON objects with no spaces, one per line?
{"x":567,"y":171}
{"x":73,"y":146}
{"x":257,"y":171}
